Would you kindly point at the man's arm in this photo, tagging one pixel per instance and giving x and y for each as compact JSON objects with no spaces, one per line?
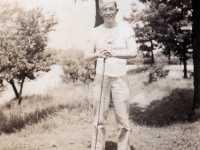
{"x":90,"y":55}
{"x":130,"y":53}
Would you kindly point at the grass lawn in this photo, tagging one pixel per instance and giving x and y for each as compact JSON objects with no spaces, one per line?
{"x":160,"y":118}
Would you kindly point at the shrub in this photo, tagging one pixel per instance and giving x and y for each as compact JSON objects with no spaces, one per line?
{"x":147,"y":61}
{"x":160,"y":58}
{"x":174,"y":60}
{"x":76,"y":68}
{"x":156,"y":71}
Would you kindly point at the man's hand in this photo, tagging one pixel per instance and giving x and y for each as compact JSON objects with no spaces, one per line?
{"x":103,"y":53}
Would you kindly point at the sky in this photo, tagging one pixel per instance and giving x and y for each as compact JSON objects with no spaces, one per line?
{"x":75,"y":20}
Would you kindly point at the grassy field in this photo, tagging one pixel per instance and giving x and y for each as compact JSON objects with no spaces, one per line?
{"x":160,"y":118}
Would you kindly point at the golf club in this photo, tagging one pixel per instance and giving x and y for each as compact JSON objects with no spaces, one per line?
{"x":102,"y":80}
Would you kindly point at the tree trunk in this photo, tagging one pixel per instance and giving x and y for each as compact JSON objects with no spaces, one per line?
{"x":152,"y":54}
{"x":196,"y":52}
{"x":185,"y":65}
{"x":14,"y":88}
{"x":152,"y":57}
{"x":169,"y":56}
{"x":98,"y":21}
{"x":98,"y":18}
{"x":1,"y":83}
{"x":20,"y":93}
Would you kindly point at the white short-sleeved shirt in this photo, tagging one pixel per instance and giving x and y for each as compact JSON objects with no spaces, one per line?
{"x":113,"y":39}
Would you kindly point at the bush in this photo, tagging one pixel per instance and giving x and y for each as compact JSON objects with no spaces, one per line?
{"x":174,"y":60}
{"x":156,"y":72}
{"x":160,"y":58}
{"x":147,"y":61}
{"x":76,"y":68}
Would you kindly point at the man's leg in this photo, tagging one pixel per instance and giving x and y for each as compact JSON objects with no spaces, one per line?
{"x":100,"y":121}
{"x":120,"y":97}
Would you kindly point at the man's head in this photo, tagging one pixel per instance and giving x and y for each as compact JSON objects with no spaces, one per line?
{"x":105,"y":2}
{"x":108,"y":10}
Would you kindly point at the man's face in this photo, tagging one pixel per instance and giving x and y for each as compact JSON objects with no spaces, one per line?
{"x":108,"y":12}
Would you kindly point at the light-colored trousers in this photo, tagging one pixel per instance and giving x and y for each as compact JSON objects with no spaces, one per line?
{"x":115,"y":90}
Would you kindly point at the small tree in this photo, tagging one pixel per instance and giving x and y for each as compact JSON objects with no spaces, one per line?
{"x":26,"y":36}
{"x":148,"y":33}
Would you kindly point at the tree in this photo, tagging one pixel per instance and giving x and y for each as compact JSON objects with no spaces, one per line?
{"x":163,"y":22}
{"x":195,"y":9}
{"x":21,"y":51}
{"x":196,"y":52}
{"x":147,"y":33}
{"x":98,"y":18}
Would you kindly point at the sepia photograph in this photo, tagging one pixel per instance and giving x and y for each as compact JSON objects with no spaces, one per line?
{"x":99,"y":75}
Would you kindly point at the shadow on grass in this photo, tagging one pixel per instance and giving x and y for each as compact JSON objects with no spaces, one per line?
{"x":113,"y":146}
{"x":175,"y":108}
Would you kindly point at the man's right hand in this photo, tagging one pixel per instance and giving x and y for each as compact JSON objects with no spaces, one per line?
{"x":90,"y":55}
{"x":103,"y":53}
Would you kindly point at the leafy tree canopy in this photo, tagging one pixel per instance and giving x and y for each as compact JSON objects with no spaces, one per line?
{"x":164,"y":22}
{"x":24,"y":36}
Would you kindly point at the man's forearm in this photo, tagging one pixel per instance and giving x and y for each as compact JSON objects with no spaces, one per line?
{"x":90,"y":56}
{"x":124,"y":55}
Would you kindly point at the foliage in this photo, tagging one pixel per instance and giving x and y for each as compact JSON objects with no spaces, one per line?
{"x":160,"y":58}
{"x":146,"y":33}
{"x":156,"y":72}
{"x":165,"y":26}
{"x":76,"y":68}
{"x":24,"y":36}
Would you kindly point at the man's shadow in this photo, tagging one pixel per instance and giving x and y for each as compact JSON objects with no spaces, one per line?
{"x":113,"y":146}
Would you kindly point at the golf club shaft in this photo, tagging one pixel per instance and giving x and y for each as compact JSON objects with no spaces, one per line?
{"x":102,"y":80}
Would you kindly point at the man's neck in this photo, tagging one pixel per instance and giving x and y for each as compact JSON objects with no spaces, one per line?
{"x":110,"y":25}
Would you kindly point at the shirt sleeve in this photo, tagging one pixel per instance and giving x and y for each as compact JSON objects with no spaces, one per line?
{"x":129,"y":32}
{"x":91,"y":36}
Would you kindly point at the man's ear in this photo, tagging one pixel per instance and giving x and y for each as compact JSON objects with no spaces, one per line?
{"x":117,"y":10}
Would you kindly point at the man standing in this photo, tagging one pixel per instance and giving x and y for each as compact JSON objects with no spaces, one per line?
{"x":114,"y":42}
